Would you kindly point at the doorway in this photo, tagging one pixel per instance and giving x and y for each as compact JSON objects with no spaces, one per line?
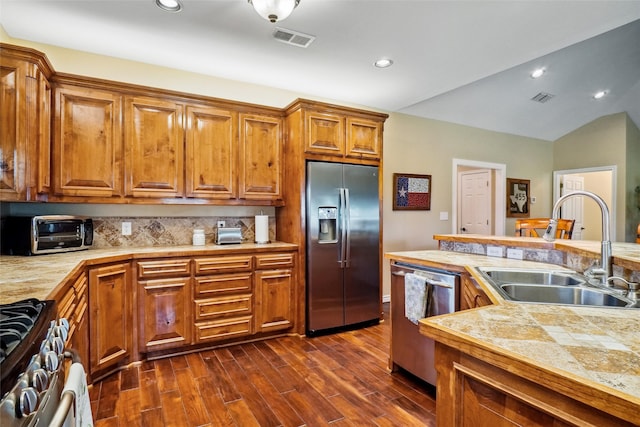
{"x":493,"y":205}
{"x":598,"y":180}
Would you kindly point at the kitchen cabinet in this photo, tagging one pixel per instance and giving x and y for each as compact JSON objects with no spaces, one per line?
{"x":274,"y":279}
{"x":260,"y":172}
{"x":73,"y":305}
{"x":87,"y":143}
{"x":164,"y":304}
{"x":223,"y":297}
{"x":211,"y":153}
{"x":154,"y":148}
{"x":472,"y":295}
{"x":341,"y":135}
{"x":25,"y":101}
{"x":110,"y":317}
{"x":473,"y":388}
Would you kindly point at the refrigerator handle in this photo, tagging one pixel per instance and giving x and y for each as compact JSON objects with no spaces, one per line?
{"x":343,"y":228}
{"x":347,"y":221}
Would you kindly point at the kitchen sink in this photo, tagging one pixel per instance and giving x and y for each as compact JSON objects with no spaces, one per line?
{"x":551,"y":287}
{"x":535,"y":277}
{"x":563,"y":295}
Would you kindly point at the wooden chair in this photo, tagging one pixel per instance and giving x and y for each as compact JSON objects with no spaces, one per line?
{"x":535,"y":227}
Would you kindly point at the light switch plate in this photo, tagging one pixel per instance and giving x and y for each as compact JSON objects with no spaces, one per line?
{"x":126,"y":229}
{"x":444,"y":216}
{"x":221,"y":224}
{"x":514,"y":253}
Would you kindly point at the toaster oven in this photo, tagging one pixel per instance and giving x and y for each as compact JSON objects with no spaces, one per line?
{"x":45,"y":234}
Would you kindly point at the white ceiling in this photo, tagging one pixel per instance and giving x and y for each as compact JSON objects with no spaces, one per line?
{"x":461,"y":61}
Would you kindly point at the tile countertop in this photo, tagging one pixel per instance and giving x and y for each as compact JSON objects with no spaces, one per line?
{"x":596,"y":347}
{"x":37,"y":276}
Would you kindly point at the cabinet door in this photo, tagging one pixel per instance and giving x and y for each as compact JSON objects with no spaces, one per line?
{"x":111,"y":318}
{"x":25,"y":120}
{"x":260,"y":157}
{"x":87,"y":147}
{"x":165,"y":314}
{"x":364,"y":138}
{"x":274,"y":310}
{"x":211,"y":153}
{"x":472,"y":294}
{"x":154,"y":148}
{"x":325,"y":133}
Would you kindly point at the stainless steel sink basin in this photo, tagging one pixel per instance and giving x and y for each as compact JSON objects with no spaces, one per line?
{"x":536,"y":277}
{"x":563,"y":295}
{"x":551,"y":287}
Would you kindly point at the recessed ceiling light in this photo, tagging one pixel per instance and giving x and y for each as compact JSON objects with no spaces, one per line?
{"x":537,"y":73}
{"x":600,"y":94}
{"x":169,"y":5}
{"x":383,"y":63}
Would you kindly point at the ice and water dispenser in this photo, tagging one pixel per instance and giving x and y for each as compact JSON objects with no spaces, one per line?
{"x":328,"y":227}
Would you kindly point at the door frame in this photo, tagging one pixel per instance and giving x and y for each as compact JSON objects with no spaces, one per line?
{"x":499,"y":188}
{"x":614,"y":180}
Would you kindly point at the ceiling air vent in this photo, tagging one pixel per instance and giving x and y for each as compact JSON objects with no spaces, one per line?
{"x":293,"y":37}
{"x":542,"y":97}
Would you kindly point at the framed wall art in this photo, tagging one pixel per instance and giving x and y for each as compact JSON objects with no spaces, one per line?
{"x":518,"y":198}
{"x":411,"y":192}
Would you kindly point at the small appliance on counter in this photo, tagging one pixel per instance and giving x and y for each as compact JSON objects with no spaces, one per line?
{"x":229,"y":235}
{"x":45,"y":234}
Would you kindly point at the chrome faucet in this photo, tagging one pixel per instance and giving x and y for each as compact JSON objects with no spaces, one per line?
{"x":603,"y":272}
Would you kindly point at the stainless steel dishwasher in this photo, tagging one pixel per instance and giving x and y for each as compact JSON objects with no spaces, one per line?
{"x":410,"y":350}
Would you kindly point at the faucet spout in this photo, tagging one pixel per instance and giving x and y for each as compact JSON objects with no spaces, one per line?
{"x":604,"y":272}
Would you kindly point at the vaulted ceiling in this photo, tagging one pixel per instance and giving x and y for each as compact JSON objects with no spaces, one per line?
{"x":465,"y":62}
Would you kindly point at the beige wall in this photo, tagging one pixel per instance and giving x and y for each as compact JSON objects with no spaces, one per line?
{"x":602,"y":142}
{"x":632,"y":187}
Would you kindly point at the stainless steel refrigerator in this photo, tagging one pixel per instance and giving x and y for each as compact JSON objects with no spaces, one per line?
{"x":343,"y":228}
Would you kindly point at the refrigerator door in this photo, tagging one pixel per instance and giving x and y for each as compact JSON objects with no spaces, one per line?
{"x":362,"y":266}
{"x":325,"y":291}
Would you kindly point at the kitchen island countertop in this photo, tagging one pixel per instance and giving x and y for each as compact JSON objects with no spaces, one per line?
{"x":596,"y":349}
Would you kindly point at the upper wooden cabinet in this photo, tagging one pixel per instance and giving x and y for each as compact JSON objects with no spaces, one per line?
{"x":87,"y":144}
{"x":340,"y":133}
{"x":154,"y":148}
{"x":25,"y":102}
{"x":211,"y":153}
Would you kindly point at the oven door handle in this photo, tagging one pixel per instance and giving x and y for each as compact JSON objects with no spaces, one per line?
{"x":66,"y":404}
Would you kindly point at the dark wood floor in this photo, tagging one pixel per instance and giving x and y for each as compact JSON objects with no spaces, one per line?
{"x":339,"y":380}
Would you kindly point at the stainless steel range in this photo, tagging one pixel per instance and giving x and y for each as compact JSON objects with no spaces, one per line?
{"x":32,"y":348}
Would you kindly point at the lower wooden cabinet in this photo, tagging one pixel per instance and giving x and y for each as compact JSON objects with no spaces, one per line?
{"x":73,"y":305}
{"x":111,"y":316}
{"x":165,"y":313}
{"x":475,"y":392}
{"x":274,"y":310}
{"x":472,"y":295}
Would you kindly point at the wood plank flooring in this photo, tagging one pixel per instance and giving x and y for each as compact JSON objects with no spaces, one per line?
{"x":338,"y":380}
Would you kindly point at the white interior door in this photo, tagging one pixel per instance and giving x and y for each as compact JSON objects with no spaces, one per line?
{"x":573,"y":208}
{"x":475,"y":202}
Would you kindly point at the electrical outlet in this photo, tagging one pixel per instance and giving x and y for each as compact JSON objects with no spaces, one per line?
{"x":494,"y":251}
{"x":126,"y":229}
{"x":221,"y":224}
{"x":514,"y":253}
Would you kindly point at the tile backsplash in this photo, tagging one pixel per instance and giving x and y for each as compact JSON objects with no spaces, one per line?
{"x":168,"y":231}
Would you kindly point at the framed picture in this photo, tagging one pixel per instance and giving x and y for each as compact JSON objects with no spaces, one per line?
{"x":518,"y":198}
{"x":411,"y":192}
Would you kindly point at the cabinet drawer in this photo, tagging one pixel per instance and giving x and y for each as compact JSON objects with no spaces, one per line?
{"x":223,"y":264}
{"x":223,"y":329}
{"x":210,"y":286}
{"x":164,"y":268}
{"x":274,"y":261}
{"x":215,"y":307}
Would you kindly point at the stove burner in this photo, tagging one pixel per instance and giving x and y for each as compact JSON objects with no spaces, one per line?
{"x":23,"y":326}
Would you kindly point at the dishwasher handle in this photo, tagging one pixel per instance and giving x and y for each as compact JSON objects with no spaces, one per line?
{"x":429,"y":281}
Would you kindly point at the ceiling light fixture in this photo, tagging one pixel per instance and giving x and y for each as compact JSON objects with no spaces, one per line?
{"x":383,"y":63}
{"x":537,"y":73}
{"x":169,"y":5}
{"x":274,"y":10}
{"x":599,"y":95}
